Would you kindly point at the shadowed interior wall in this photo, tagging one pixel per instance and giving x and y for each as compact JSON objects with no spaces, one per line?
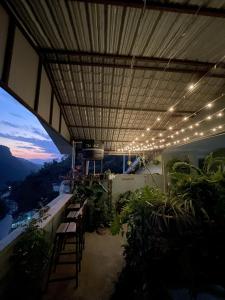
{"x":23,"y":74}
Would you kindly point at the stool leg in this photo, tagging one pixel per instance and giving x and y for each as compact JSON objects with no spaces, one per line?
{"x":51,"y":262}
{"x":77,"y":260}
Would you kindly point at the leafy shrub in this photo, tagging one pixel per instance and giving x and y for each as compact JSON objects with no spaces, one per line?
{"x":98,"y":207}
{"x":175,"y":239}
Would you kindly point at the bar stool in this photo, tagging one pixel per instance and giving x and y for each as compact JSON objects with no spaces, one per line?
{"x":64,"y":232}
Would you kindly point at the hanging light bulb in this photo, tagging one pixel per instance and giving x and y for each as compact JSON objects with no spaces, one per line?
{"x":170,"y":128}
{"x":171,"y":109}
{"x":158,"y":119}
{"x":185,"y":118}
{"x":191,"y":87}
{"x":209,"y":105}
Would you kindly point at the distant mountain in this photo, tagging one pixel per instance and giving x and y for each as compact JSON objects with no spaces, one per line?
{"x":13,"y":168}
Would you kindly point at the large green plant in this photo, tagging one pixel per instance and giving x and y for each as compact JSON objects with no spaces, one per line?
{"x":29,"y":260}
{"x":205,"y":187}
{"x":171,"y":241}
{"x":98,"y":206}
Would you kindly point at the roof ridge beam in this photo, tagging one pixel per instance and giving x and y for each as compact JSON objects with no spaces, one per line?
{"x":115,"y":128}
{"x":163,"y":7}
{"x":178,"y":113}
{"x":153,"y":59}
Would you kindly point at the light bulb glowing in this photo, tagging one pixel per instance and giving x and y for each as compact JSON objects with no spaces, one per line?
{"x":148,"y":129}
{"x":160,"y":134}
{"x":209,"y":118}
{"x":170,"y":128}
{"x":171,"y":109}
{"x":201,"y":133}
{"x":142,"y":134}
{"x":182,"y":130}
{"x":196,"y":124}
{"x":219,"y":115}
{"x":209,"y":105}
{"x":158,"y":119}
{"x":190,"y":127}
{"x":185,"y":118}
{"x":191,"y":87}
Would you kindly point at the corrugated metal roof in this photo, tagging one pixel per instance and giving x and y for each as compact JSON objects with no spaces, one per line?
{"x":103,"y":90}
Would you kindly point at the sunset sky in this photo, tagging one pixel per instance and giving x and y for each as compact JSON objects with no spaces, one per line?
{"x":21,"y":131}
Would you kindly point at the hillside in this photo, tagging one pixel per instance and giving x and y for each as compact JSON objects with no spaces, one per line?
{"x":13,"y":168}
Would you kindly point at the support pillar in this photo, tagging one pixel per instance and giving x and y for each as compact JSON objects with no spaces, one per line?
{"x":124,"y":159}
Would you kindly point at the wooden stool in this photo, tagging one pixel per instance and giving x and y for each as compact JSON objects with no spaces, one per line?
{"x":65,"y":231}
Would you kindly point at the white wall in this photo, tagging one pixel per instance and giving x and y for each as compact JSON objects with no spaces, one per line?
{"x":122,"y":183}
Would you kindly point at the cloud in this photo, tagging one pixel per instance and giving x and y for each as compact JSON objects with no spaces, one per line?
{"x":17,"y":115}
{"x":29,"y":148}
{"x":17,"y":130}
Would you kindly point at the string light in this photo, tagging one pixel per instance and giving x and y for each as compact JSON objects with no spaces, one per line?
{"x":219,"y":115}
{"x":160,"y":134}
{"x":185,"y":118}
{"x":170,"y":128}
{"x":148,"y":129}
{"x":142,"y":134}
{"x":201,"y":133}
{"x":196,"y":124}
{"x":209,"y":105}
{"x":190,"y":127}
{"x":171,"y":109}
{"x":158,"y":119}
{"x":191,"y":87}
{"x":209,"y":118}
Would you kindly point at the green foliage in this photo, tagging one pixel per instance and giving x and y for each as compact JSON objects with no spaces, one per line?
{"x":38,"y":187}
{"x":175,"y":239}
{"x":29,"y":259}
{"x":98,"y":207}
{"x":171,"y":163}
{"x":206,"y":187}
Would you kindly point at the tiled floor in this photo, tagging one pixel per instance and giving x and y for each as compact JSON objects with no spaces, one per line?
{"x":102,"y":262}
